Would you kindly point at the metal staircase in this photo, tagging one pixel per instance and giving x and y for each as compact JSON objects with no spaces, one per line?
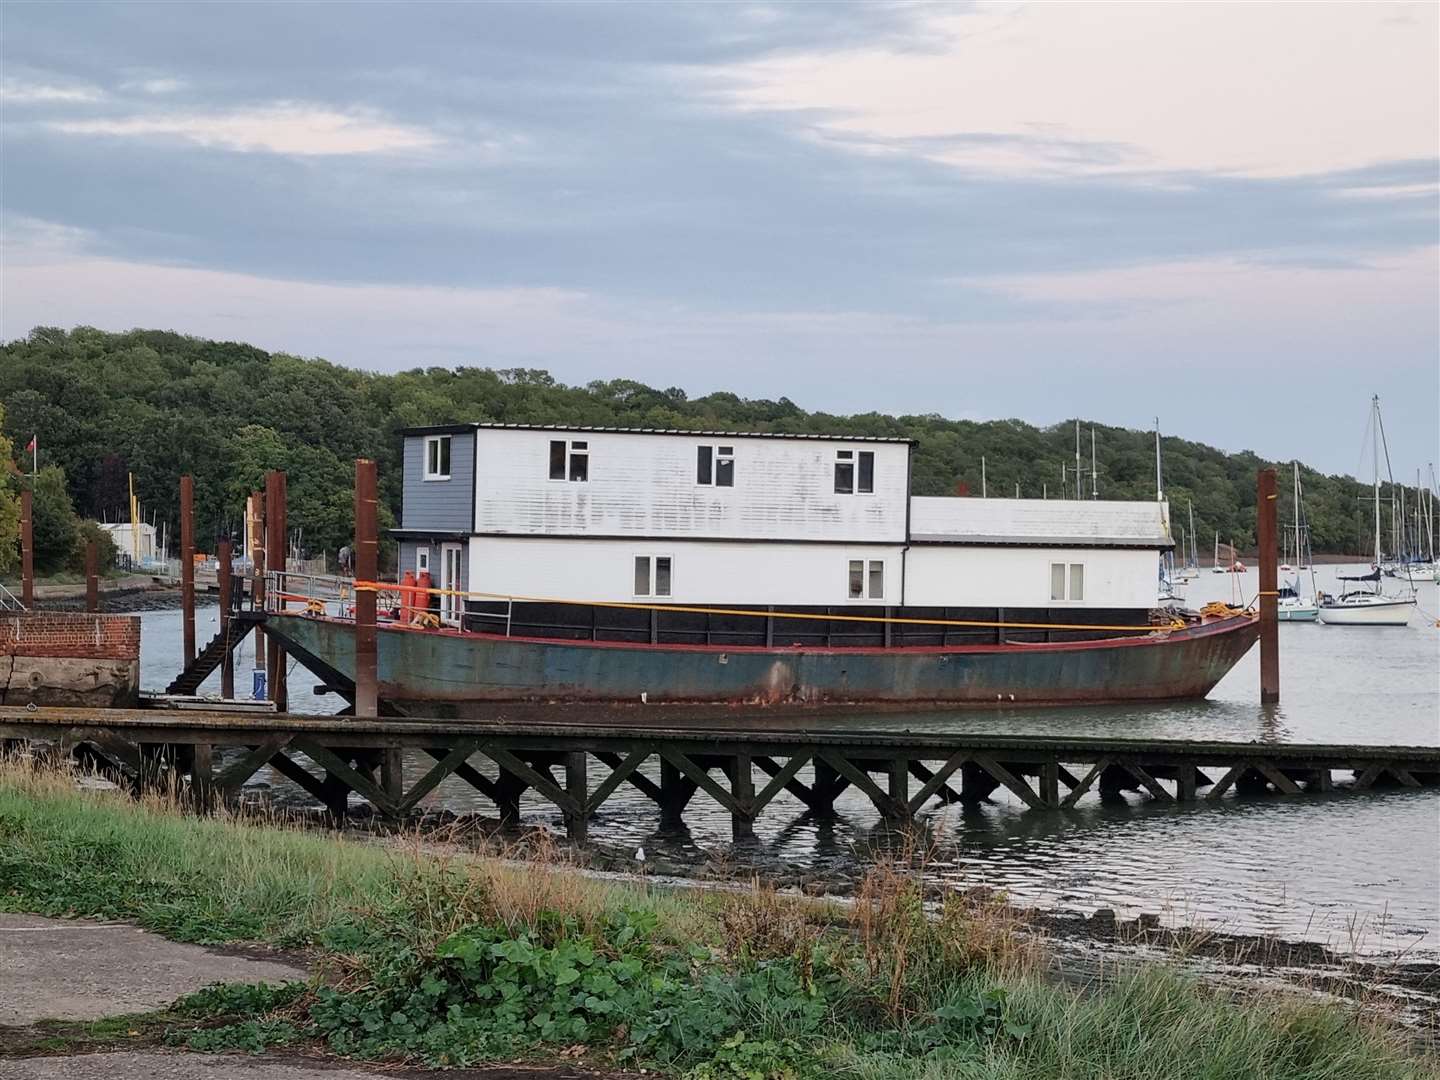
{"x":209,"y":659}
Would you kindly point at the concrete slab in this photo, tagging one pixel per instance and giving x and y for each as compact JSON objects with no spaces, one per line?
{"x":75,"y":969}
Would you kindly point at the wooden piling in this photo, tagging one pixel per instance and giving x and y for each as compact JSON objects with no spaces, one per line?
{"x":1265,"y":504}
{"x":187,"y":568}
{"x":255,"y":539}
{"x":226,"y":584}
{"x":27,"y":549}
{"x":92,"y":577}
{"x":275,"y":546}
{"x":367,"y":571}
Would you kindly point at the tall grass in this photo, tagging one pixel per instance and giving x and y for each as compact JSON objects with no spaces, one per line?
{"x":885,"y":989}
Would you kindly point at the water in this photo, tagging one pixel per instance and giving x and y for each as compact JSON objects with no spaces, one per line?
{"x":1355,"y":872}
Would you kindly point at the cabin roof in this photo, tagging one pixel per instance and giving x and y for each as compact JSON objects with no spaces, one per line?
{"x":1039,"y":522}
{"x":452,"y":429}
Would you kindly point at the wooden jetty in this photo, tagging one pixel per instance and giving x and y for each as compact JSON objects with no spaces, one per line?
{"x":554,"y":753}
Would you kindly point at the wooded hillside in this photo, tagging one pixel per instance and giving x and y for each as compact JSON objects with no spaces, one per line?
{"x":159,"y":404}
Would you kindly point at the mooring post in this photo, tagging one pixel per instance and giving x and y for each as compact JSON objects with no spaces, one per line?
{"x":226,"y":583}
{"x":256,"y":541}
{"x":1269,"y":596}
{"x":275,"y":557}
{"x":92,"y":576}
{"x":367,"y":572}
{"x":742,"y":787}
{"x":577,"y":786}
{"x":27,"y":549}
{"x":187,"y":567}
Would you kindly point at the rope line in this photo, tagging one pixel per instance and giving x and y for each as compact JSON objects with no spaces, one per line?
{"x":383,"y":586}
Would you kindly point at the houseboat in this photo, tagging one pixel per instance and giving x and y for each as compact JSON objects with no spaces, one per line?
{"x":630,"y":565}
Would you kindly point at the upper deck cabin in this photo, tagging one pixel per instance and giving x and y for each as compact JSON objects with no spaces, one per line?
{"x":514,"y":480}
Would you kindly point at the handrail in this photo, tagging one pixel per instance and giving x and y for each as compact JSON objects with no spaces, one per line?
{"x":9,"y":601}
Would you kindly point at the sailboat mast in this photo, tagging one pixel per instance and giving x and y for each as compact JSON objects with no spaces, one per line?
{"x":1159,"y":487}
{"x":1375,"y":439}
{"x":1077,"y":459}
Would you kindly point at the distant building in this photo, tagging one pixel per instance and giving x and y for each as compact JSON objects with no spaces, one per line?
{"x":134,"y":544}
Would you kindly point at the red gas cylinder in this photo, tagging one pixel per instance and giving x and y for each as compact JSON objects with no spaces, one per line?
{"x":407,"y":595}
{"x":423,"y":598}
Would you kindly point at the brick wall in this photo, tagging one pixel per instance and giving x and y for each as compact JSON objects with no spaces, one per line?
{"x":70,"y":633}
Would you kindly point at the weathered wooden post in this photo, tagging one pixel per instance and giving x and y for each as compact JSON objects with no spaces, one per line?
{"x":187,"y":567}
{"x":1269,"y":595}
{"x":92,"y":577}
{"x":255,"y":540}
{"x":275,"y":545}
{"x":226,"y":584}
{"x":27,"y":549}
{"x":367,"y":572}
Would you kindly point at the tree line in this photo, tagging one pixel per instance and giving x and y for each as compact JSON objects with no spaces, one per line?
{"x":155,"y":404}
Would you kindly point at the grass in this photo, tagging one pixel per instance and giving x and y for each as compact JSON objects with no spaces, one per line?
{"x":456,"y":960}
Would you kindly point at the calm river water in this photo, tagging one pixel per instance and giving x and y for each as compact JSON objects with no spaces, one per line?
{"x":1351,"y":871}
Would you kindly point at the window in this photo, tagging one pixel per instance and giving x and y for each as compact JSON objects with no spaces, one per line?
{"x":652,"y":575}
{"x":437,"y":457}
{"x":861,"y":575}
{"x":422,"y":560}
{"x":577,"y":459}
{"x":1057,"y":582}
{"x":854,"y":472}
{"x":715,"y":466}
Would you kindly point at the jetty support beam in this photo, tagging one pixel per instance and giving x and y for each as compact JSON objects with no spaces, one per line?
{"x":1265,"y":502}
{"x":367,"y":570}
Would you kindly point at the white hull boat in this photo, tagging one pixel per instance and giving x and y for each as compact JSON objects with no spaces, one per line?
{"x":1366,"y":609}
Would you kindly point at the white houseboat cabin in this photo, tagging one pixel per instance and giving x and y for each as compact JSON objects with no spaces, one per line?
{"x":551,"y":522}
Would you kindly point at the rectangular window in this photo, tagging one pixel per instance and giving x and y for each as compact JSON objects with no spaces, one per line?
{"x":725,"y":466}
{"x":877,"y":579}
{"x":844,"y":472}
{"x":865,"y":483}
{"x":1057,"y":581}
{"x":577,"y":459}
{"x":657,"y":585}
{"x":422,"y":560}
{"x":437,"y":457}
{"x":1077,"y":581}
{"x":857,"y":579}
{"x":715,"y":466}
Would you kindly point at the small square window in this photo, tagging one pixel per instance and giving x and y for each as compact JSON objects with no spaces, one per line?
{"x":844,"y":477}
{"x":857,"y":579}
{"x":877,"y":579}
{"x":642,"y":575}
{"x":1057,"y":581}
{"x":1077,"y":581}
{"x":437,"y":457}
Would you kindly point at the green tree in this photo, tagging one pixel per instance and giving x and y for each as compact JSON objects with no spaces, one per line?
{"x":56,"y":528}
{"x":9,"y":503}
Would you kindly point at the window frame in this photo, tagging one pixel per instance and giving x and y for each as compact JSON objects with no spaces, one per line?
{"x":855,"y":464}
{"x":572,"y":449}
{"x":845,"y":459}
{"x":422,"y":555}
{"x":652,"y":572}
{"x":1068,"y":578}
{"x":437,"y":441}
{"x":710,"y":460}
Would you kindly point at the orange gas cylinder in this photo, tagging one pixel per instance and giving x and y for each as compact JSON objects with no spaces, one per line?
{"x":423,"y":598}
{"x":407,"y":595}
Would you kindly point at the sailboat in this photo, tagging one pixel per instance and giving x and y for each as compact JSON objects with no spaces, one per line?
{"x":1191,"y":570}
{"x":1359,"y":606}
{"x":1215,"y":567}
{"x":1236,"y":566}
{"x":1292,"y":605}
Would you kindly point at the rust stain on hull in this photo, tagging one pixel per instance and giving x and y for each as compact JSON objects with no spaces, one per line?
{"x":455,"y":668}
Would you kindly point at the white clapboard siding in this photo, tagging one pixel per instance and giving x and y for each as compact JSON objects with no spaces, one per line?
{"x":644,"y":485}
{"x":1019,"y":577}
{"x":714,"y":573}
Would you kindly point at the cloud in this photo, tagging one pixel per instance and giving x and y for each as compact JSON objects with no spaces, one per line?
{"x":291,"y":128}
{"x":20,"y":91}
{"x":158,"y":84}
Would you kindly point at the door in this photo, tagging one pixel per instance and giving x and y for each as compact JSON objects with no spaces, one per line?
{"x":451,"y":606}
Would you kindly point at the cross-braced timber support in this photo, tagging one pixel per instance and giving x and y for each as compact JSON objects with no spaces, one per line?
{"x":577,"y":767}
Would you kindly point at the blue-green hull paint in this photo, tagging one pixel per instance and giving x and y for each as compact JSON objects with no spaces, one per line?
{"x":450,"y":667}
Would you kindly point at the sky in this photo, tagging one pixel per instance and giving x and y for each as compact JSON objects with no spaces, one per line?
{"x":1221,"y":214}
